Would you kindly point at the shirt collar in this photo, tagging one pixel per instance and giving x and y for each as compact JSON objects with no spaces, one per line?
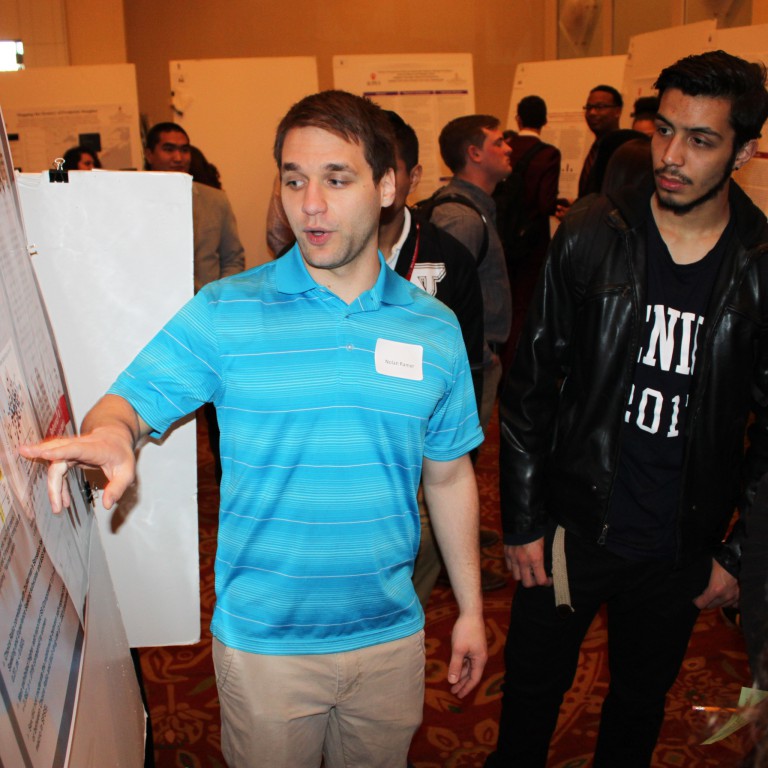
{"x":292,"y":277}
{"x":398,"y":246}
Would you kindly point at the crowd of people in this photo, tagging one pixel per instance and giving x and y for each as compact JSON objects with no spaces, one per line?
{"x":351,"y":379}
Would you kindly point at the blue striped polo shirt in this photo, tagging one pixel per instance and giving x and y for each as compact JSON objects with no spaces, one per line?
{"x":326,"y":411}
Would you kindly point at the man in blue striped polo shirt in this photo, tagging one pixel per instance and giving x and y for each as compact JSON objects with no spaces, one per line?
{"x":338,"y":386}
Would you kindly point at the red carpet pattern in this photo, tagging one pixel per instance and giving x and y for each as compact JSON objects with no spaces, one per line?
{"x":456,"y":733}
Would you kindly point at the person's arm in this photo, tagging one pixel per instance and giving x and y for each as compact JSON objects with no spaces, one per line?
{"x":110,"y":433}
{"x":450,"y":492}
{"x":231,"y":251}
{"x":526,"y":562}
{"x":722,"y":590}
{"x":548,"y":182}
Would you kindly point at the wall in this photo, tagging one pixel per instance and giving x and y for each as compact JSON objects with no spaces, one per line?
{"x":41,"y":25}
{"x":499,"y":34}
{"x":95,"y":31}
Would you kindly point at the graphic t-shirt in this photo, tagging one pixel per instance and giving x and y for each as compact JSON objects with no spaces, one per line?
{"x":643,"y":510}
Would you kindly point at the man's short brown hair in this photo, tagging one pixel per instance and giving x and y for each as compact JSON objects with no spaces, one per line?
{"x":353,"y":118}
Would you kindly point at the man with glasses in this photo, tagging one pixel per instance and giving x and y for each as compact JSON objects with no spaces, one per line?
{"x":602,"y":113}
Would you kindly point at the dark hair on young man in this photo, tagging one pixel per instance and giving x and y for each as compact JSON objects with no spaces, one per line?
{"x":617,"y":100}
{"x":532,"y":111}
{"x":406,"y":141}
{"x":353,"y":118}
{"x":73,"y":155}
{"x":461,"y":134}
{"x":719,"y":75}
{"x":645,"y":108}
{"x":153,"y":134}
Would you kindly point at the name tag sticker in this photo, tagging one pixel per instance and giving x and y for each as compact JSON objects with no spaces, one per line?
{"x":403,"y":361}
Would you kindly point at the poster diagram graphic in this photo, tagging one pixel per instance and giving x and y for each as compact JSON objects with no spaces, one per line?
{"x":17,"y":426}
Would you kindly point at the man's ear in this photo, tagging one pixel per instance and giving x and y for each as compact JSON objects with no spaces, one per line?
{"x":148,"y":156}
{"x":387,"y":188}
{"x":745,"y":154}
{"x":474,"y":154}
{"x":415,"y":177}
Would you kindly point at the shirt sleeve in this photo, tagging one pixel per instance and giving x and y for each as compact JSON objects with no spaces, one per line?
{"x":178,"y":370}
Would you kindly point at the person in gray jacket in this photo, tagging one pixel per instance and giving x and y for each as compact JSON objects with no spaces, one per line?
{"x":474,"y":149}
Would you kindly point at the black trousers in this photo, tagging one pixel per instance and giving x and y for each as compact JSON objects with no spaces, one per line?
{"x":753,"y":600}
{"x":650,"y":620}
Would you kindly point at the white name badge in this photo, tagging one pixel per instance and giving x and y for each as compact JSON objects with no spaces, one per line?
{"x":403,"y":361}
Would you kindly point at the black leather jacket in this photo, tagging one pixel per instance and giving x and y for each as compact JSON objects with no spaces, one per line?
{"x":563,"y":404}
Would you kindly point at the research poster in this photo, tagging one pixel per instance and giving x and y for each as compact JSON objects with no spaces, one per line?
{"x":47,"y":110}
{"x":426,"y":90}
{"x":566,"y":127}
{"x":42,"y":643}
{"x":43,"y":558}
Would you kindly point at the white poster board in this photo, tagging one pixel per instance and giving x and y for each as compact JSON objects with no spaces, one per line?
{"x":114,"y":262}
{"x":48,"y":109}
{"x":649,"y":53}
{"x":64,"y":648}
{"x":230,"y":109}
{"x":427,"y":90}
{"x":566,"y":127}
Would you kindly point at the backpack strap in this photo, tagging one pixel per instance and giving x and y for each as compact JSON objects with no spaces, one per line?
{"x":427,"y":206}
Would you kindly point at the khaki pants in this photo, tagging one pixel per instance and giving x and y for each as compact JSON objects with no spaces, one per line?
{"x":353,"y":709}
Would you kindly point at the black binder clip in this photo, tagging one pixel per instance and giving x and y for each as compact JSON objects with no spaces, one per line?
{"x":58,"y":175}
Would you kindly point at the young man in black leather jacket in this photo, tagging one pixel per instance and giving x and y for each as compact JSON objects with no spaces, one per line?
{"x":622,"y":423}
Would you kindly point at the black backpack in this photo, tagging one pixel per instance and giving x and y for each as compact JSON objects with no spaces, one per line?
{"x":424,"y":209}
{"x":517,"y":232}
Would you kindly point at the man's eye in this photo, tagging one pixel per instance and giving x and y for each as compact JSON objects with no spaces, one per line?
{"x":337,"y":182}
{"x":292,"y":183}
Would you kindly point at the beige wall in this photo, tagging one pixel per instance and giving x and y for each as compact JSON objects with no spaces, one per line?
{"x":498,"y":33}
{"x":96,"y":31}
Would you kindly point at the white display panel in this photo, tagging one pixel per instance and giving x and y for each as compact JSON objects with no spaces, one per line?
{"x":231,"y":108}
{"x":47,"y":109}
{"x":427,"y":90}
{"x":566,"y":127}
{"x":113,"y":256}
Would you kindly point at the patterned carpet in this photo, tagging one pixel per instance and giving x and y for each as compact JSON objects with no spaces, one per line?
{"x":456,"y":734}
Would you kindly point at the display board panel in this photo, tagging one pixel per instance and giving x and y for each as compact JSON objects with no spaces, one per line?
{"x":113,"y":254}
{"x":427,"y":90}
{"x":50,"y":109}
{"x":566,"y":127}
{"x":231,"y":108}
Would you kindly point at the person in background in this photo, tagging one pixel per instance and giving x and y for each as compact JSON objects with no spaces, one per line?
{"x":602,"y":113}
{"x":440,"y":265}
{"x":525,"y":200}
{"x":81,"y":159}
{"x":643,"y":359}
{"x":644,"y":115}
{"x":218,"y":251}
{"x":474,"y":149}
{"x":201,"y":170}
